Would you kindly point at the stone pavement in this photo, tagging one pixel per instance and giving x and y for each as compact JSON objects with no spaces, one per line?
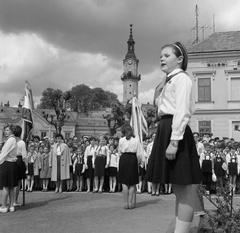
{"x":89,"y":213}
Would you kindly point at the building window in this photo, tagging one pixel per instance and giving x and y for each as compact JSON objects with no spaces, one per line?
{"x":130,"y":93}
{"x":67,"y":135}
{"x":235,"y":87}
{"x":204,"y":127}
{"x":43,"y":134}
{"x":204,"y":89}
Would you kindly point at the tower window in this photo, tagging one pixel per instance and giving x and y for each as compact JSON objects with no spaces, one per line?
{"x":130,"y":85}
{"x":130,"y":93}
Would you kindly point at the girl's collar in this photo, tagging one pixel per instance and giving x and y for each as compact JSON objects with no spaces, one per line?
{"x":12,"y":135}
{"x":174,"y":72}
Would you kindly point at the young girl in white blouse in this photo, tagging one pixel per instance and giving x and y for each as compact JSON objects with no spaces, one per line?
{"x":113,"y":167}
{"x":130,"y":158}
{"x":174,"y":157}
{"x":100,"y":163}
{"x":79,"y":168}
{"x":232,"y":168}
{"x":33,"y":167}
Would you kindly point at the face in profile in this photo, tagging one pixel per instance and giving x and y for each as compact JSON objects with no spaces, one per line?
{"x":168,"y":60}
{"x":7,"y":131}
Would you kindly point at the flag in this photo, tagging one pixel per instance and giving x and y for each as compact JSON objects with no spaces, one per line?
{"x":139,"y":124}
{"x":138,"y":121}
{"x":27,"y":124}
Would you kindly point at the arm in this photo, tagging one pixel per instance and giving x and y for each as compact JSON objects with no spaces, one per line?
{"x":94,"y":157}
{"x":74,"y":164}
{"x":39,"y":161}
{"x":108,"y":157}
{"x":85,"y":157}
{"x":51,"y":157}
{"x":238,"y":162}
{"x":9,"y":145}
{"x":183,"y":92}
{"x":139,"y":152}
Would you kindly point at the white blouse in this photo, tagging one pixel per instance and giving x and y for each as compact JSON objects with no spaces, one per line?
{"x":176,"y":99}
{"x":113,"y":159}
{"x":132,"y":145}
{"x":9,"y":150}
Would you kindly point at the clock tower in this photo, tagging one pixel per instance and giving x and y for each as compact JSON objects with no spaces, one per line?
{"x":130,"y":76}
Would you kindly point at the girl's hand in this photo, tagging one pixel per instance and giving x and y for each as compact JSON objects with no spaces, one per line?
{"x":171,"y":152}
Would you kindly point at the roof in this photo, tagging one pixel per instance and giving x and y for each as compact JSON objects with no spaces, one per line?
{"x":10,"y":112}
{"x":218,"y":42}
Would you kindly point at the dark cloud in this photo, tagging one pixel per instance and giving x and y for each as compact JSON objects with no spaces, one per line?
{"x":102,"y":27}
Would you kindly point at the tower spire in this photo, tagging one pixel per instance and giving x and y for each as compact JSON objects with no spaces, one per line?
{"x":131,"y":42}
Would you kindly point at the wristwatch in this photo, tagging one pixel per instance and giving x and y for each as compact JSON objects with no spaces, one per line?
{"x":174,"y":143}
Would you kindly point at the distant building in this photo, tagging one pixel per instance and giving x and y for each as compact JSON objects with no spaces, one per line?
{"x":214,"y":67}
{"x":130,"y":76}
{"x":77,"y":125}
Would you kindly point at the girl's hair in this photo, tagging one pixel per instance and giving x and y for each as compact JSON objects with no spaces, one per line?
{"x":127,"y":131}
{"x":179,"y":50}
{"x":17,"y":131}
{"x":59,"y":135}
{"x":46,"y":146}
{"x":10,"y":126}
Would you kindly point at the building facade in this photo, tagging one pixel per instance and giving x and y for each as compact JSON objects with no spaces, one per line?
{"x":77,"y":125}
{"x":214,"y":67}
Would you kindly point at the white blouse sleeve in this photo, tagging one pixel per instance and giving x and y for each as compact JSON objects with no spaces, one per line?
{"x":183,"y":94}
{"x":9,"y":145}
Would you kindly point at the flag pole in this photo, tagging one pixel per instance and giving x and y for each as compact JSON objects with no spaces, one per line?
{"x":27,"y":120}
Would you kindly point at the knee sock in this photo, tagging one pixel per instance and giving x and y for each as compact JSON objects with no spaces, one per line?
{"x":182,"y":227}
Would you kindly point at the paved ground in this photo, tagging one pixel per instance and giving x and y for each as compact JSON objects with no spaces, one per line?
{"x":90,"y":213}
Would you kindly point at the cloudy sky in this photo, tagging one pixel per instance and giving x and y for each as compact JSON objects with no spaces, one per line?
{"x":64,"y":43}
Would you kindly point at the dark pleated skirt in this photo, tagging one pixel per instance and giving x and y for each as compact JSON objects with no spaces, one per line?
{"x":218,"y":169}
{"x":100,"y":163}
{"x":78,"y":169}
{"x":185,"y":169}
{"x":8,"y":175}
{"x":112,"y":171}
{"x":58,"y":168}
{"x":141,"y":171}
{"x":207,"y":166}
{"x":232,"y":167}
{"x":21,"y":167}
{"x":71,"y":169}
{"x":30,"y":169}
{"x":89,"y":171}
{"x":128,"y":169}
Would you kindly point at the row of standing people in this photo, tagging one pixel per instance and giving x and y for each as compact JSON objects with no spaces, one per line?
{"x":220,"y":164}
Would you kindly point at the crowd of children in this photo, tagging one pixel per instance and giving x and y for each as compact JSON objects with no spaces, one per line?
{"x":94,"y":165}
{"x":220,"y":163}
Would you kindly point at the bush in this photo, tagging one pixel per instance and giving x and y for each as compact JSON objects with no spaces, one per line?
{"x":225,"y":219}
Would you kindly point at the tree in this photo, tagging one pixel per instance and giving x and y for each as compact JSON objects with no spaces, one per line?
{"x":80,"y":100}
{"x":99,"y":99}
{"x":55,"y":99}
{"x":117,"y":118}
{"x":151,"y":117}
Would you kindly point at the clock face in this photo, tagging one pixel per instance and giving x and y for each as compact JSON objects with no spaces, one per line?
{"x":129,"y":62}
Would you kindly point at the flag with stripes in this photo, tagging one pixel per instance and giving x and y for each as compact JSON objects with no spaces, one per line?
{"x":138,"y":121}
{"x":27,"y":119}
{"x":139,"y":124}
